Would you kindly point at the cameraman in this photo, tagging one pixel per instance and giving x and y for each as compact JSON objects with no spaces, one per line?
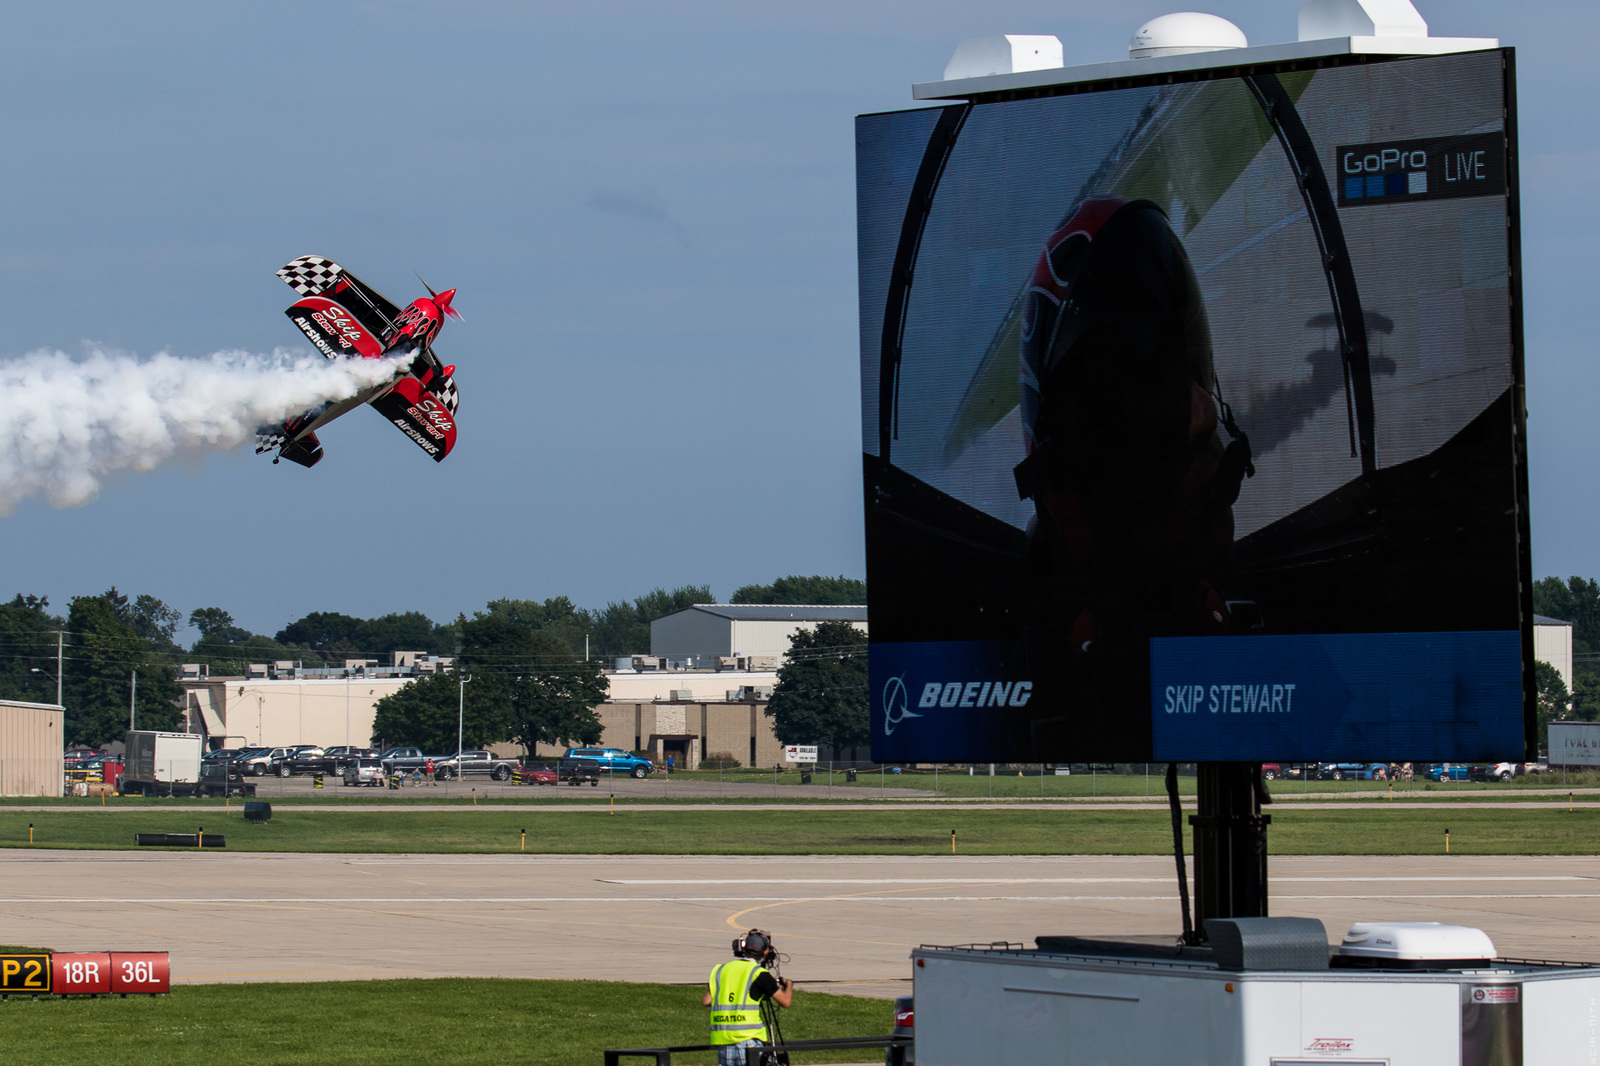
{"x":743,"y":995}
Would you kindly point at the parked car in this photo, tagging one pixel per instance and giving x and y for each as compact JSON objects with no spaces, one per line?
{"x":575,"y":771}
{"x":258,"y":762}
{"x":305,"y":759}
{"x":339,"y":755}
{"x":1351,"y":771}
{"x":1500,"y":771}
{"x":474,"y":762}
{"x":904,"y":1025}
{"x":1449,"y":772}
{"x":615,"y":760}
{"x":538,"y":775}
{"x":1271,"y":771}
{"x":364,"y":770}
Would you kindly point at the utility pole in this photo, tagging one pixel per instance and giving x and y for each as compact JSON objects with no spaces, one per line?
{"x":133,"y":695}
{"x":58,"y":669}
{"x":461,"y":717}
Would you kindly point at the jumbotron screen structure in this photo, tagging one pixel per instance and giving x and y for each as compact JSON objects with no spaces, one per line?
{"x":1192,"y":418}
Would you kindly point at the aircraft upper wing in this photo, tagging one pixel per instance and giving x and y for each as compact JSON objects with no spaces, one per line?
{"x":317,"y":278}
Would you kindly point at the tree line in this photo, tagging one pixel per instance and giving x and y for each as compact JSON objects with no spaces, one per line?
{"x":526,"y":657}
{"x":1575,"y":600}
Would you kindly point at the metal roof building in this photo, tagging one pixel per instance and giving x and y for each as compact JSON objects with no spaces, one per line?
{"x":758,"y":633}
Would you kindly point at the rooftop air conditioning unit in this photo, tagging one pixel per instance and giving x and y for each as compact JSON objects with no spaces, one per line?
{"x":682,"y":694}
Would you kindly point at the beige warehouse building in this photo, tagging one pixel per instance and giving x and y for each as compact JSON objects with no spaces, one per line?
{"x":685,"y":714}
{"x":30,"y":748}
{"x":278,"y":704}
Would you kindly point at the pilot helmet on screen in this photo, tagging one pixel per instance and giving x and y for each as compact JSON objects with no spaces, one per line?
{"x":1132,"y":485}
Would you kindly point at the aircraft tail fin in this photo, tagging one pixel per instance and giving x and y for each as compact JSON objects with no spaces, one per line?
{"x":307,"y":451}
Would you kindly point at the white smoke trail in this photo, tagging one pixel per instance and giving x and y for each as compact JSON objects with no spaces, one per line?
{"x":67,"y":423}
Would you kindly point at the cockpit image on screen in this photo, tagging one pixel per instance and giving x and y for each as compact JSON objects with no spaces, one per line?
{"x":1192,"y":420}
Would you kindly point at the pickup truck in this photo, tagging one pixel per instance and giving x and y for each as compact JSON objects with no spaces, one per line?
{"x":258,"y":762}
{"x":576,"y":771}
{"x":405,"y":760}
{"x":474,"y":762}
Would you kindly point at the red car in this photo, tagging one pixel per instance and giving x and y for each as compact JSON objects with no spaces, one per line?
{"x":538,"y":775}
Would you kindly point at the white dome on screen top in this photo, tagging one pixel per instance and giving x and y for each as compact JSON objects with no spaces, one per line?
{"x":1183,"y":33}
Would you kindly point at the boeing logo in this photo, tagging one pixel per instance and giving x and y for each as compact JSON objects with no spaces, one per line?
{"x":976,"y":694}
{"x":896,"y":706}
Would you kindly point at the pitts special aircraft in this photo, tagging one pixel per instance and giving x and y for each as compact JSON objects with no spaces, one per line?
{"x":346,"y":318}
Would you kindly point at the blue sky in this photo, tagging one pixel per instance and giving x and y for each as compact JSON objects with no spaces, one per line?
{"x":648,"y":209}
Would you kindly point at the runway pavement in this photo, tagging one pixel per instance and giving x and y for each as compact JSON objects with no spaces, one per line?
{"x":847,"y":922}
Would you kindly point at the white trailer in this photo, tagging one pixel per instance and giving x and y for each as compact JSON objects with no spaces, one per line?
{"x":1078,"y":1002}
{"x":163,"y":764}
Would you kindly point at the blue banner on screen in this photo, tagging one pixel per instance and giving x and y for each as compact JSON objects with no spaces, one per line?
{"x":944,"y":695}
{"x":1454,"y":696}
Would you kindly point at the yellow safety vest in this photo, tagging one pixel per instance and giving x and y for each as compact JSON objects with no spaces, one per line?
{"x":735,"y":1015}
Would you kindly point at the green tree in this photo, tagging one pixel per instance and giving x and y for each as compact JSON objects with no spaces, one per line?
{"x":1577,"y":600}
{"x":326,"y":632}
{"x":821,"y":696}
{"x":216,"y":628}
{"x":411,"y":631}
{"x":424,"y":713}
{"x":156,"y":623}
{"x":554,"y":702}
{"x":27,"y":635}
{"x":556,"y":617}
{"x":623,"y":628}
{"x":105,"y":652}
{"x":1585,"y":695}
{"x":813,"y":590}
{"x":1555,"y":703}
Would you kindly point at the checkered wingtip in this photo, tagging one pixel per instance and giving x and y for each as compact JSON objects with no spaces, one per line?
{"x":311,"y":274}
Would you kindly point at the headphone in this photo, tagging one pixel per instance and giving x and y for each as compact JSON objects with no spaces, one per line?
{"x":754,"y":944}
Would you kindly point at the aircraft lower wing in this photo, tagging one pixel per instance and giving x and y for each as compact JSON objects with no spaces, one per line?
{"x":421,"y":414}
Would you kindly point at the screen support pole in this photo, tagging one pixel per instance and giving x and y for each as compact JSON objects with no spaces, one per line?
{"x":1230,"y":842}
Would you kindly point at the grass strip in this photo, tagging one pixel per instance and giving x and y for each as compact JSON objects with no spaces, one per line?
{"x":463,"y":1021}
{"x":1376,"y":830}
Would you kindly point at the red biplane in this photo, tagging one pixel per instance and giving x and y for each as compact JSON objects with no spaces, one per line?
{"x":348,"y":319}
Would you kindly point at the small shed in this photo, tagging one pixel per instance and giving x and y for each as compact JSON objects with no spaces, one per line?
{"x":30,"y":748}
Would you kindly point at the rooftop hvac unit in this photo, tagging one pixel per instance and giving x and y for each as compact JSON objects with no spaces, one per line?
{"x":193,"y":671}
{"x":256,"y":670}
{"x":763,"y":692}
{"x":623,"y":664}
{"x":404,"y":658}
{"x":730,"y":662}
{"x":649,"y":662}
{"x":763,"y":662}
{"x":735,"y":695}
{"x":681,"y":694}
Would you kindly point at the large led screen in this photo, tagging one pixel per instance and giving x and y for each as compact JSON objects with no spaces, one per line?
{"x":1192,"y":420}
